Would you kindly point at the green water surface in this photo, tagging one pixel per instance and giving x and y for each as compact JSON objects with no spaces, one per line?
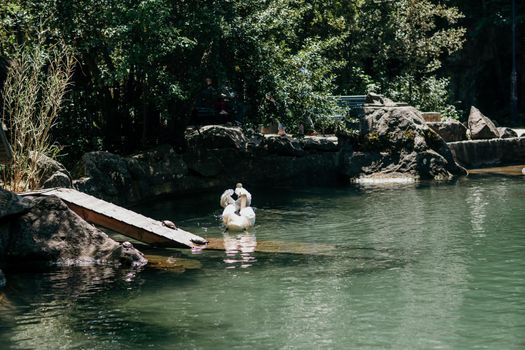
{"x":419,"y":266}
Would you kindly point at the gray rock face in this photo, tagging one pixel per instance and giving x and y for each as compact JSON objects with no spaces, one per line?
{"x":480,"y":126}
{"x":11,"y":204}
{"x":379,"y":100}
{"x":58,"y":179}
{"x":450,"y":130}
{"x":506,"y":133}
{"x":129,"y":180}
{"x":493,"y":152}
{"x":216,"y":157}
{"x":52,"y":173}
{"x":216,"y":137}
{"x":317,"y":144}
{"x":397,"y":141}
{"x":284,"y":146}
{"x":104,"y":174}
{"x":51,"y":233}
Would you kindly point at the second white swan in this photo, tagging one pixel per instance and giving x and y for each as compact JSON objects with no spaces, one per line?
{"x":237,"y":215}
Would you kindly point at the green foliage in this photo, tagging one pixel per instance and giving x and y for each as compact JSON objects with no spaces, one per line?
{"x":282,"y":61}
{"x":406,"y":36}
{"x":401,"y":47}
{"x":431,"y":94}
{"x":141,"y":63}
{"x":13,"y":19}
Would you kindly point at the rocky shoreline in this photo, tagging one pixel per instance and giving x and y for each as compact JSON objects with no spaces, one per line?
{"x":43,"y":231}
{"x":394,"y":143}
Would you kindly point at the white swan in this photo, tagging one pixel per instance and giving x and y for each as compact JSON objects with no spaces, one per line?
{"x":237,"y":215}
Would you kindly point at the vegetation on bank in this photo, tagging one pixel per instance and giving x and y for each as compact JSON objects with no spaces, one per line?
{"x":140,"y":65}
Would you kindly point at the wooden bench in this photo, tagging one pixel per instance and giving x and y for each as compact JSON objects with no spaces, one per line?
{"x":352,"y":106}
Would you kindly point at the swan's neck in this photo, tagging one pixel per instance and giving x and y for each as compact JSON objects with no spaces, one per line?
{"x":243,"y":202}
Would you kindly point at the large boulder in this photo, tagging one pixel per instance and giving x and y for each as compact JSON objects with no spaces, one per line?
{"x":450,"y":130}
{"x":254,"y":159}
{"x":216,"y":137}
{"x":378,"y":100}
{"x":52,"y":173}
{"x":51,"y":233}
{"x":480,"y":126}
{"x":117,"y":179}
{"x":394,"y":141}
{"x":318,"y":144}
{"x":284,"y":146}
{"x":11,"y":204}
{"x":105,"y":175}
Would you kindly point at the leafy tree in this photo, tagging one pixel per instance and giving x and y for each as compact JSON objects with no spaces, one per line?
{"x":287,"y":65}
{"x":126,"y":80}
{"x":402,"y":43}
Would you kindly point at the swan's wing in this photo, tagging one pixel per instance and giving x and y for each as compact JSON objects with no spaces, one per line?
{"x":228,"y":212}
{"x":226,"y":198}
{"x":249,"y":214}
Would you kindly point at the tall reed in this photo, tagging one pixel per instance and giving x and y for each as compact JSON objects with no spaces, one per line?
{"x":37,"y":80}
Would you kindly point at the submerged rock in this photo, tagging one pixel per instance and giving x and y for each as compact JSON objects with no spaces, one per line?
{"x":51,"y":233}
{"x":480,"y":126}
{"x":2,"y":280}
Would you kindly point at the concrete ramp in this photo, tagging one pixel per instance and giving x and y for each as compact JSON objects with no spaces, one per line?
{"x":123,"y":221}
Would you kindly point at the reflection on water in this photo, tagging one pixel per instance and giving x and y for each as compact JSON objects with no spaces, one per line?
{"x":41,"y":311}
{"x":239,"y":249}
{"x":420,"y":266}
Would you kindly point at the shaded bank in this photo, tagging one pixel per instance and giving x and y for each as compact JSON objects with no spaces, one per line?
{"x":395,"y":142}
{"x":216,"y":157}
{"x":43,"y":232}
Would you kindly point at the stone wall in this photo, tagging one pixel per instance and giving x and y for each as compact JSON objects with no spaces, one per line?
{"x":395,"y":143}
{"x":217,"y":157}
{"x":491,"y":152}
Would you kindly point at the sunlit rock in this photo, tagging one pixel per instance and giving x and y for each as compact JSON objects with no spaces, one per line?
{"x":395,"y":140}
{"x":52,"y":173}
{"x":216,"y":137}
{"x":480,"y":126}
{"x":51,"y":233}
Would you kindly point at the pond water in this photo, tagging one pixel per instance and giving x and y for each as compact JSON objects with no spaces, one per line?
{"x":414,"y":266}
